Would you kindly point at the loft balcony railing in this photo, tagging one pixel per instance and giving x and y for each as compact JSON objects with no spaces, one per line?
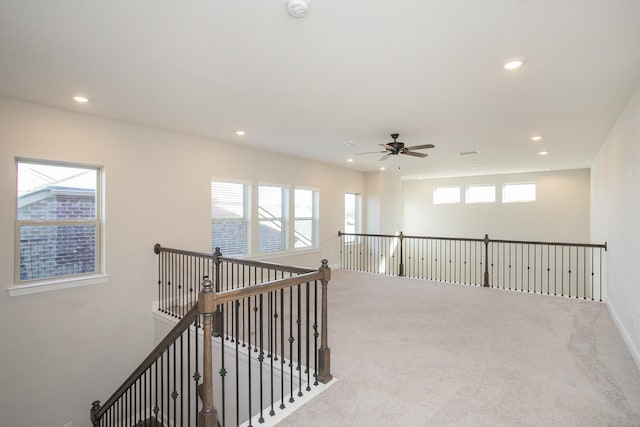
{"x":250,"y":340}
{"x":573,"y":270}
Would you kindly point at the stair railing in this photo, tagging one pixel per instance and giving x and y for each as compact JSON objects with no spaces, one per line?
{"x":175,"y":384}
{"x":574,"y":270}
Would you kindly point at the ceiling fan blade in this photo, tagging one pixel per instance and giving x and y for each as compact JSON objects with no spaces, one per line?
{"x":386,"y":157}
{"x":415,"y":154}
{"x":388,"y":146}
{"x":420,"y":147}
{"x":370,"y":152}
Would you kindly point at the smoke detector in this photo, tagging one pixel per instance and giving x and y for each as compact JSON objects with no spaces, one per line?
{"x":297,"y":8}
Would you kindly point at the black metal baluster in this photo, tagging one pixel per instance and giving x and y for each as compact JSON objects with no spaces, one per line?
{"x":236,"y":305}
{"x":291,"y":339}
{"x":315,"y":332}
{"x":299,"y":322}
{"x":223,"y":371}
{"x":261,"y":359}
{"x":308,"y":338}
{"x":601,"y":274}
{"x":281,"y":348}
{"x":592,"y":274}
{"x":271,"y":351}
{"x":569,"y":272}
{"x":196,"y":375}
{"x":584,"y":273}
{"x":248,"y":327}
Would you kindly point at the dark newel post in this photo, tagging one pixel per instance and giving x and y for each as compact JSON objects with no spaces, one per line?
{"x":217,"y":316}
{"x":324,"y":353}
{"x":208,"y":416}
{"x":401,"y":269}
{"x":95,"y":407}
{"x":486,"y":260}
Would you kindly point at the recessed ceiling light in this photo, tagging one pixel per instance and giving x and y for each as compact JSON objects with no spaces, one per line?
{"x":543,"y":153}
{"x":536,"y":138}
{"x":382,"y":168}
{"x":80,"y":99}
{"x":513,"y":64}
{"x":350,"y":160}
{"x":240,"y":132}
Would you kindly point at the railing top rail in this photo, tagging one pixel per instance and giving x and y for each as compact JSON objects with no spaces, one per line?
{"x":266,"y":287}
{"x":177,"y":330}
{"x":269,"y":265}
{"x":404,"y":236}
{"x":157,"y":248}
{"x":340,"y":233}
{"x":251,"y":263}
{"x":488,"y":240}
{"x":531,"y":242}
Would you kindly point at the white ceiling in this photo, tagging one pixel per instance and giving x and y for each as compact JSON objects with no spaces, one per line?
{"x":354,"y":70}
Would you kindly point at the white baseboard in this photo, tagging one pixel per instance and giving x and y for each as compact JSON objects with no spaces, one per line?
{"x":625,"y":335}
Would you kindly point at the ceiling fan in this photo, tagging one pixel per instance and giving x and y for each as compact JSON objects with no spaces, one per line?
{"x":396,"y":147}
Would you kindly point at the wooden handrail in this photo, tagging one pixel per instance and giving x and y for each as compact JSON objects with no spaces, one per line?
{"x":466,"y":239}
{"x":270,"y":265}
{"x":157,"y":248}
{"x":177,"y":330}
{"x":273,"y":285}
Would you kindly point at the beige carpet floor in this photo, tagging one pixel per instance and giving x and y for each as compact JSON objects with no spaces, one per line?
{"x":418,"y":353}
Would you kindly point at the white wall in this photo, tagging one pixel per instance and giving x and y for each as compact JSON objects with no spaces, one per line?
{"x":560,"y":212}
{"x":615,"y":217}
{"x":384,"y":203}
{"x":61,"y":350}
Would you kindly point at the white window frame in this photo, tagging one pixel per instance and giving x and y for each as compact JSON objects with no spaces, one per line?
{"x":469,"y":190}
{"x":522,"y":200}
{"x":63,"y":281}
{"x":284,"y":219}
{"x":246,"y":218}
{"x":438,"y":201}
{"x":314,"y":218}
{"x":357,"y":217}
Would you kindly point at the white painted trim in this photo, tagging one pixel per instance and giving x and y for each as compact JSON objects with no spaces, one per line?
{"x":291,"y":408}
{"x":635,"y":353}
{"x":54,"y":285}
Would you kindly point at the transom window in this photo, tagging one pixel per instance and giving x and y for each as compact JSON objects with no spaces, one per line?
{"x":481,"y":194}
{"x":524,"y":192}
{"x":58,"y":220}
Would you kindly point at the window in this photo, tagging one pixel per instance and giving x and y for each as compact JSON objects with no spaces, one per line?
{"x":230,"y":217}
{"x":512,"y":193}
{"x":445,"y":195}
{"x":306,"y":218}
{"x":351,"y":215}
{"x":58,"y":220}
{"x":272,"y":221}
{"x":481,"y":194}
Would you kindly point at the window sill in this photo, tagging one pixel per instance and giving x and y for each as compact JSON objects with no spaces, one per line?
{"x":56,"y":284}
